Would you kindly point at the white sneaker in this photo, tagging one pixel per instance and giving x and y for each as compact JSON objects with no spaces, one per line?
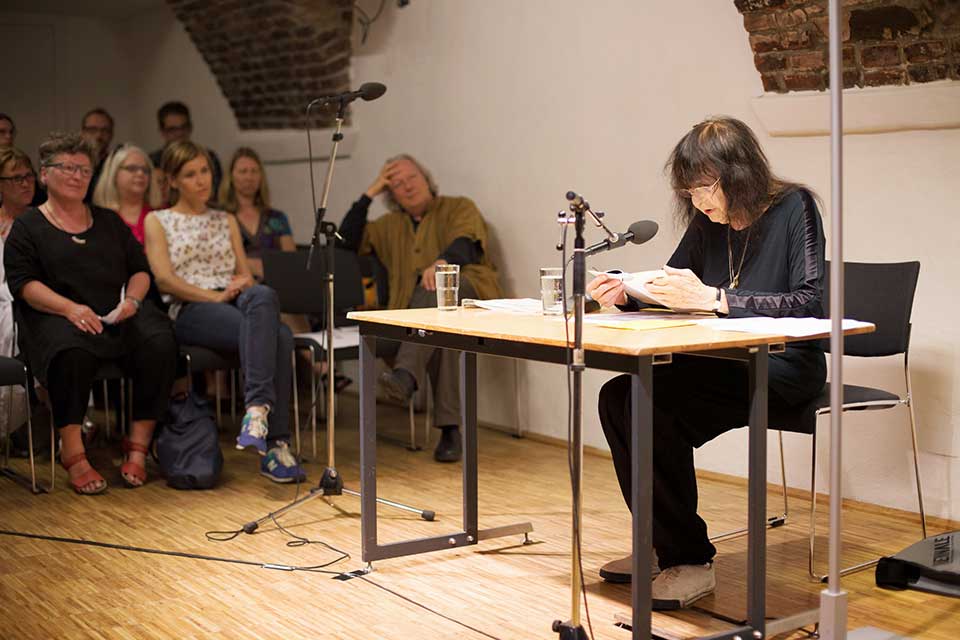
{"x":620,"y":571}
{"x":677,"y":587}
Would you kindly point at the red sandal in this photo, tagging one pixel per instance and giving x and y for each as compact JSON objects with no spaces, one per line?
{"x":85,"y":478}
{"x":133,"y":469}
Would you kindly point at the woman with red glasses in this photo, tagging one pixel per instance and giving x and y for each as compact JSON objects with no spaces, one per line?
{"x":79,"y":277}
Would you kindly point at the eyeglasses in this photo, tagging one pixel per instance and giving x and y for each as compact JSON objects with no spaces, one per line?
{"x":178,"y":128}
{"x":72,"y":169}
{"x":95,"y":130}
{"x":700,"y":192}
{"x":22,"y":180}
{"x":136,"y":168}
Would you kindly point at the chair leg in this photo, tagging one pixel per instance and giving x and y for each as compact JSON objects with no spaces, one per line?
{"x":296,"y":400}
{"x":106,"y":411}
{"x":233,"y":396}
{"x":428,"y":413}
{"x":772,"y":521}
{"x":122,"y":417}
{"x":216,"y":384}
{"x":313,"y":401}
{"x":812,"y":529}
{"x":516,"y":399}
{"x":413,"y":427}
{"x":916,"y":452}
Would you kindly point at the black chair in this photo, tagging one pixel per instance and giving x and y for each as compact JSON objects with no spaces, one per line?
{"x":304,"y":291}
{"x":199,"y":358}
{"x":882,"y":294}
{"x":13,"y":372}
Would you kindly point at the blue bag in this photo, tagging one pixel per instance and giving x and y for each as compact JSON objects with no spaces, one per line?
{"x":188,"y":444}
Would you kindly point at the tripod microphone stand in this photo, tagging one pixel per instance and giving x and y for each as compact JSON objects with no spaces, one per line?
{"x":331,"y":482}
{"x":572,"y":629}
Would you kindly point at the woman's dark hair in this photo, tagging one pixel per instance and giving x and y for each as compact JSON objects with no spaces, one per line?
{"x":725,"y":148}
{"x":70,"y":143}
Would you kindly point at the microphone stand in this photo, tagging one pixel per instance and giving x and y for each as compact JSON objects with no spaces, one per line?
{"x":572,"y":629}
{"x":331,"y":483}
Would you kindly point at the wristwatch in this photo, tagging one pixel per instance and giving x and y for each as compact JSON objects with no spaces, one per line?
{"x":135,"y":302}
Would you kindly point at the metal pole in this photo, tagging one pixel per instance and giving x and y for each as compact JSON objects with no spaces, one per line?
{"x":833,"y":600}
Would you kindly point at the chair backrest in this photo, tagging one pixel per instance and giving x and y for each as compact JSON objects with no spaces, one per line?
{"x":304,"y":291}
{"x":881,"y":293}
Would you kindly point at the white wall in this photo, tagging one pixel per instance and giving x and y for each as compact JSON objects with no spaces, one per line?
{"x":515,"y":103}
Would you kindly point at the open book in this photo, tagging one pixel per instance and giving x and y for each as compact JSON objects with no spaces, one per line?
{"x":635,"y":283}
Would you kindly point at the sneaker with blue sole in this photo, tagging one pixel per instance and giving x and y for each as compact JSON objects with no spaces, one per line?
{"x":280,"y":466}
{"x":253,"y":432}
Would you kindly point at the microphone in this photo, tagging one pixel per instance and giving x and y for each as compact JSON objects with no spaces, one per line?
{"x":368,"y":91}
{"x":637,"y":233}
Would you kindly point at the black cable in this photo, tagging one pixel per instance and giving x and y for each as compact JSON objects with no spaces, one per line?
{"x":164,"y":552}
{"x":570,"y":454}
{"x":428,"y":609}
{"x":365,"y":20}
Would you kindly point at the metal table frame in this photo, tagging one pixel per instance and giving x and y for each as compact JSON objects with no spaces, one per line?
{"x":641,"y":370}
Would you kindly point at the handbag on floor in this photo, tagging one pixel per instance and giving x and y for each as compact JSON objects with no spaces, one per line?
{"x":188,"y":444}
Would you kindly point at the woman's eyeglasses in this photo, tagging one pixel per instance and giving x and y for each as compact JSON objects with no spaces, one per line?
{"x":700,"y":192}
{"x":22,"y":179}
{"x":136,"y":168}
{"x":71,"y":169}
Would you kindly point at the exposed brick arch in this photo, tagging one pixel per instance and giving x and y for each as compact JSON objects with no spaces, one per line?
{"x":885,"y":42}
{"x":271,"y":57}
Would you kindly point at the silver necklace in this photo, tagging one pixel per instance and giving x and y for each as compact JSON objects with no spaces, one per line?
{"x":59,"y":224}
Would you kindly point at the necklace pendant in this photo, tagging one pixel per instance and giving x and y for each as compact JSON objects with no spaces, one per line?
{"x":78,"y":240}
{"x":735,"y":282}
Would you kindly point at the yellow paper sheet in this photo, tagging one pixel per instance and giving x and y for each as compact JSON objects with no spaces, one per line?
{"x":645,"y":325}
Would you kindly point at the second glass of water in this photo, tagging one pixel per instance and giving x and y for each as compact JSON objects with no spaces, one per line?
{"x":448,"y":286}
{"x":551,"y":290}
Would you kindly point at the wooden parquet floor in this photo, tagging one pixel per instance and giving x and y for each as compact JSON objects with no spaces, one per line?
{"x":498,"y":588}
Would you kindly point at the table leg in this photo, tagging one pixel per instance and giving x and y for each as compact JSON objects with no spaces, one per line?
{"x":468,"y":418}
{"x":641,"y":445}
{"x":368,"y":446}
{"x":757,"y":511}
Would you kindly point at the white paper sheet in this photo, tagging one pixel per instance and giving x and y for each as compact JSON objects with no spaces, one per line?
{"x":793,"y":327}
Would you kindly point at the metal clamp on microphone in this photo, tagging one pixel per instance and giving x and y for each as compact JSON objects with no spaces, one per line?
{"x":579,"y":204}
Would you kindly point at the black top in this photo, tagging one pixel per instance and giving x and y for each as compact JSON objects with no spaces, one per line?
{"x":461,"y":251}
{"x":91,"y":273}
{"x":782,"y":276}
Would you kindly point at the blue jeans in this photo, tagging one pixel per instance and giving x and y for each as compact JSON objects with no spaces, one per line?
{"x":250,"y":325}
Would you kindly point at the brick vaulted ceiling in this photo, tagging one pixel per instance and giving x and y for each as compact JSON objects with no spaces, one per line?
{"x":885,"y":42}
{"x":271,"y":57}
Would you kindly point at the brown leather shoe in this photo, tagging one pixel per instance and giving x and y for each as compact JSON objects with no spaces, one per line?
{"x":619,"y":571}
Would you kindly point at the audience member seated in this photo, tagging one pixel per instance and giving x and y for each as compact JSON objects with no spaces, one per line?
{"x":79,"y":279}
{"x":126,"y":186}
{"x":422,"y":230}
{"x":97,"y":128}
{"x":246,"y":194}
{"x":197,"y":256}
{"x":8,"y":131}
{"x":17,"y":182}
{"x":175,"y":125}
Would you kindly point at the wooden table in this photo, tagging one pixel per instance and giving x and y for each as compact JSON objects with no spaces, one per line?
{"x":543,"y":339}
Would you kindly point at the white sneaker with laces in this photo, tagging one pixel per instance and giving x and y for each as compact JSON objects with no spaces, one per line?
{"x":677,"y":587}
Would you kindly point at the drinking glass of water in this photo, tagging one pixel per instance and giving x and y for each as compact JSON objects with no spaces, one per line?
{"x":448,"y":286}
{"x":551,"y":290}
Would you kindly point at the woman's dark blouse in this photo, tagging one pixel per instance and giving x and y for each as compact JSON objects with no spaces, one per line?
{"x":92,"y":274}
{"x":782,"y":276}
{"x":273,"y":225}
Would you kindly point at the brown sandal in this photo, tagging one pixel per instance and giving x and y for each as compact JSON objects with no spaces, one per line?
{"x":86,"y":478}
{"x":133,"y":469}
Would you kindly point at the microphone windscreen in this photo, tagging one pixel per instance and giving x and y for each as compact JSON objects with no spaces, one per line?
{"x":643,"y":231}
{"x":372,"y":90}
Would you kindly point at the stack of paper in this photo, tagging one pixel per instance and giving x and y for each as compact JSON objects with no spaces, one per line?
{"x":793,"y":327}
